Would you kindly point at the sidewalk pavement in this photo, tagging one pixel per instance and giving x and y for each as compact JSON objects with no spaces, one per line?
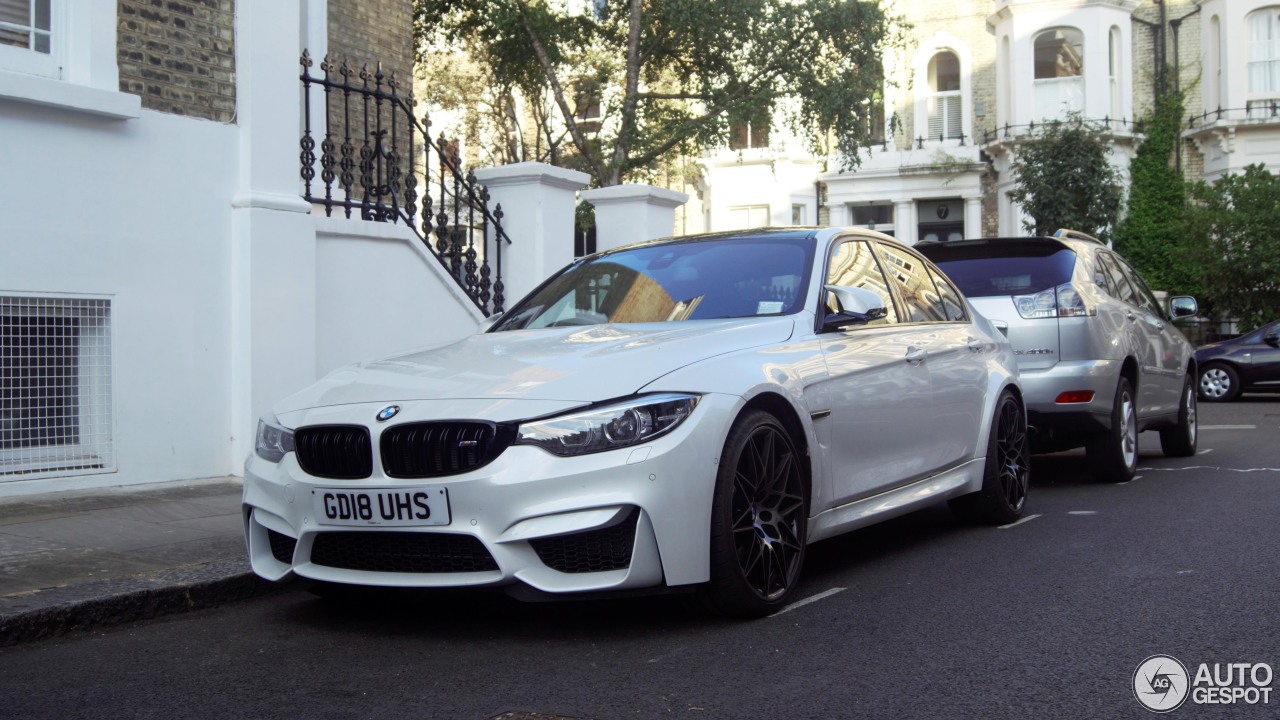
{"x":81,"y":559}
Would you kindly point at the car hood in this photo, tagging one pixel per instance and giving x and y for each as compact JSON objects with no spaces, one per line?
{"x":572,"y":365}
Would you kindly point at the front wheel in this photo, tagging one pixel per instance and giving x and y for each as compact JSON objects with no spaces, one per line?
{"x":1180,"y":440}
{"x":1219,"y":383}
{"x":759,"y":519}
{"x":1008,"y":473}
{"x":1113,"y":454}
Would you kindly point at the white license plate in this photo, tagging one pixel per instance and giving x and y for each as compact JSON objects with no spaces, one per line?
{"x":381,"y":507}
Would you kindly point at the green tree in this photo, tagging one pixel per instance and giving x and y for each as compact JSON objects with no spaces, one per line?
{"x":1238,"y":219}
{"x":1153,"y":234}
{"x":1064,"y":179}
{"x":676,"y":75}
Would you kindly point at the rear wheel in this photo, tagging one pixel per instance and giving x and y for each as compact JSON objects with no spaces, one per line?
{"x":1007,"y":477}
{"x":1219,"y":383}
{"x":759,"y":519}
{"x":1113,"y":455}
{"x":1180,"y":440}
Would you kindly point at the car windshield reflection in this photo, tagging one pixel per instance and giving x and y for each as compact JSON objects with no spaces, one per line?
{"x":707,"y":279}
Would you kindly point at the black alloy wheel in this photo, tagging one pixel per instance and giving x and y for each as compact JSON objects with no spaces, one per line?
{"x":1008,"y":469}
{"x":759,"y":519}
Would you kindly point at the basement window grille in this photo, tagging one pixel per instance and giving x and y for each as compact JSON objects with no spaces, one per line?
{"x":55,"y":386}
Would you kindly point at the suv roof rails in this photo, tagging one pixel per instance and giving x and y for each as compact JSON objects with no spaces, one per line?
{"x":1077,"y":235}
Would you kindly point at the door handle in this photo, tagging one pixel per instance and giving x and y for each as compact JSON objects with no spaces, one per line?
{"x":916,"y":355}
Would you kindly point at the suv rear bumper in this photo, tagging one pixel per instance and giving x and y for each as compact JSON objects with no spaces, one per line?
{"x":1057,"y":423}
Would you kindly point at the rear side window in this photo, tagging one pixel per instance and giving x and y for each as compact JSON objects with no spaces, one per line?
{"x":915,"y":287}
{"x":1002,"y":267}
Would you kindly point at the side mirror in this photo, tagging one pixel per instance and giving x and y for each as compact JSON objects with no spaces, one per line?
{"x":1183,"y":306}
{"x":1272,"y":339}
{"x":857,"y":306}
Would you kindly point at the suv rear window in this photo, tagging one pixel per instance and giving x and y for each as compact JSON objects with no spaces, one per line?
{"x":984,"y":268}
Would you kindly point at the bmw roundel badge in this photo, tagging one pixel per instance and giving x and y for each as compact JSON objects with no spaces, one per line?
{"x":388,"y":412}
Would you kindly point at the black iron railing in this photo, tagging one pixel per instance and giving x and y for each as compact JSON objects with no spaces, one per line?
{"x":1014,"y":132}
{"x":1262,"y":110}
{"x":376,"y":160}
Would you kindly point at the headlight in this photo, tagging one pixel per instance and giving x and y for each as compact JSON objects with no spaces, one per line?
{"x":274,"y":439}
{"x":609,"y":427}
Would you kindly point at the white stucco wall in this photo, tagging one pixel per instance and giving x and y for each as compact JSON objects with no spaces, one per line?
{"x":380,"y":292}
{"x":136,"y":210}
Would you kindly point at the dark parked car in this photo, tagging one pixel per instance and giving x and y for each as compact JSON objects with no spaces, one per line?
{"x":1249,"y":362}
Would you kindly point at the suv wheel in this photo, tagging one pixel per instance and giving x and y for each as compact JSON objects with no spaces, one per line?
{"x":1113,"y":455}
{"x":1180,"y":440}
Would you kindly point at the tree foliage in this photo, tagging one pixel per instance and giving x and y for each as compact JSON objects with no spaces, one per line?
{"x":1238,"y":219}
{"x":677,"y":74}
{"x":1153,"y":234}
{"x":1064,"y":179}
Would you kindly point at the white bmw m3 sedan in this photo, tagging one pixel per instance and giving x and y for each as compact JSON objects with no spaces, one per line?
{"x":684,"y":413}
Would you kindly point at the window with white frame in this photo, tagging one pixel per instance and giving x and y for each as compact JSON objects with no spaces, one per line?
{"x":944,"y":106}
{"x":1264,"y":61}
{"x":27,"y":37}
{"x":1113,"y":72}
{"x":1059,"y":73}
{"x":55,"y":386}
{"x":748,"y":216}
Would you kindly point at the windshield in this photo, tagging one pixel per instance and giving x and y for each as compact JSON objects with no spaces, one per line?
{"x":1002,"y":267}
{"x":670,"y":282}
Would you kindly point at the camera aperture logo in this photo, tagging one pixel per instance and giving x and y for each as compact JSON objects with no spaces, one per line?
{"x":1162,"y":684}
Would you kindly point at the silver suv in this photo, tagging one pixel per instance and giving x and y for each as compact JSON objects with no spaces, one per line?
{"x":1098,"y":357}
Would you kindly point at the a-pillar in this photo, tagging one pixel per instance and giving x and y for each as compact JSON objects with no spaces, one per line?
{"x":538,"y":203}
{"x":273,"y":253}
{"x":628,"y":214}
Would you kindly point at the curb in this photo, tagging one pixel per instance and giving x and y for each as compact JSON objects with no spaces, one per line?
{"x":50,"y":613}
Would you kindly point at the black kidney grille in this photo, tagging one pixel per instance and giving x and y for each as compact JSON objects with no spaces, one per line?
{"x":282,"y":546}
{"x":403,"y":552}
{"x":591,"y":551}
{"x":432,"y":449}
{"x":334,"y":451}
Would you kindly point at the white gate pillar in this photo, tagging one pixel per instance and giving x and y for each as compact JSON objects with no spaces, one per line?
{"x":628,"y":214}
{"x":538,"y":202}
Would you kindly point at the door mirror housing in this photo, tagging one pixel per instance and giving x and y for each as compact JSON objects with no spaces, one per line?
{"x":858,"y":306}
{"x":1272,"y":339}
{"x":1183,"y":306}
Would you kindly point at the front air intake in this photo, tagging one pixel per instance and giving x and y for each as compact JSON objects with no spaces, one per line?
{"x":343,"y":452}
{"x":434,"y":449}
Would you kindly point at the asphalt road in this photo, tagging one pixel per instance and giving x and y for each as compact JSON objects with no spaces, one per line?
{"x":920,"y":617}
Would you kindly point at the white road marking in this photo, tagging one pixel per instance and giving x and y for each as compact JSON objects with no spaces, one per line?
{"x":1082,"y":512}
{"x":1135,"y":477}
{"x":1228,"y":427}
{"x":1205,"y":452}
{"x":1028,"y":518}
{"x":1212,"y":467}
{"x":810,"y":599}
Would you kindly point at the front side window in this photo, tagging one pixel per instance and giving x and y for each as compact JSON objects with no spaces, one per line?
{"x":853,"y":264}
{"x":1059,"y":72}
{"x":1264,"y":60}
{"x":944,"y":96}
{"x":919,"y":296}
{"x":671,"y":282}
{"x":951,"y":301}
{"x":27,"y":36}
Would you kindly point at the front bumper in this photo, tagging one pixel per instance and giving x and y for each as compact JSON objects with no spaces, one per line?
{"x":555,"y":524}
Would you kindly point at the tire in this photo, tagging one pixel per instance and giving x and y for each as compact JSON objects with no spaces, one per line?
{"x":759,"y":520}
{"x":1005,"y":482}
{"x":1180,"y":440}
{"x":1219,"y":383}
{"x":1113,"y":455}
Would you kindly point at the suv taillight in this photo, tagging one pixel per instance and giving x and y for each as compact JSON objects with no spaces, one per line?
{"x":1062,"y":301}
